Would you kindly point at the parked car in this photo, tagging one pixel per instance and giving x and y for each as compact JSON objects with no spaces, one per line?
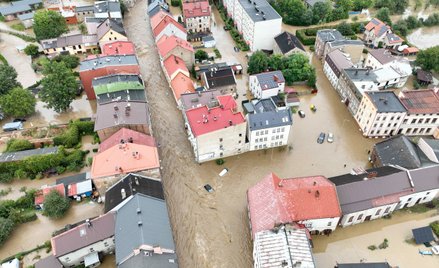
{"x":208,"y":188}
{"x":13,"y":126}
{"x":330,"y":137}
{"x":321,"y":138}
{"x":313,"y":108}
{"x":301,"y":114}
{"x":19,"y":120}
{"x":224,"y":172}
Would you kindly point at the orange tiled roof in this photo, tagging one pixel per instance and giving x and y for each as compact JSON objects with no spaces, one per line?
{"x":182,"y":84}
{"x":124,"y":158}
{"x":157,"y":18}
{"x":126,"y":135}
{"x":173,"y":64}
{"x":41,"y":194}
{"x":420,"y":101}
{"x":167,"y":20}
{"x":168,"y":43}
{"x":196,"y":9}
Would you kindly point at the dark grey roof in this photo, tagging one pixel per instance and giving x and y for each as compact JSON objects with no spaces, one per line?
{"x":360,"y":74}
{"x":398,"y":150}
{"x":144,"y":221}
{"x":270,"y":80}
{"x":132,"y":184}
{"x":106,"y":6}
{"x":382,"y":55}
{"x":102,"y":62}
{"x":28,"y":2}
{"x":200,"y":98}
{"x":68,"y":40}
{"x":26,"y":16}
{"x":138,"y":114}
{"x":266,"y":115}
{"x":329,"y":35}
{"x":125,"y":95}
{"x":110,"y":24}
{"x":84,"y":8}
{"x":17,"y":156}
{"x":48,"y":262}
{"x":346,"y":42}
{"x":155,"y":6}
{"x":158,"y":260}
{"x":377,"y":172}
{"x":313,"y":2}
{"x":220,"y":78}
{"x":73,"y":179}
{"x":103,"y":80}
{"x":204,"y":68}
{"x":364,"y":265}
{"x":424,"y":76}
{"x":433,"y":144}
{"x":423,"y":235}
{"x":426,"y":178}
{"x":386,"y":101}
{"x":257,"y":10}
{"x":208,"y":38}
{"x":287,"y":42}
{"x":338,"y":61}
{"x":360,"y":194}
{"x":13,"y":9}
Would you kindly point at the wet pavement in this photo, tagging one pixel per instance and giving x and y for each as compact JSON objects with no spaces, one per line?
{"x":211,"y":230}
{"x":350,"y":244}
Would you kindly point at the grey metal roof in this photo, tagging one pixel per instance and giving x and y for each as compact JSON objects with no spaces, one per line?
{"x":426,"y":178}
{"x":346,"y":42}
{"x":266,"y":115}
{"x":434,"y":145}
{"x":329,"y":35}
{"x":84,"y":8}
{"x":143,"y":221}
{"x":13,"y":9}
{"x":287,"y":42}
{"x":257,"y":10}
{"x":386,"y":101}
{"x":125,"y":95}
{"x":398,"y":150}
{"x":200,"y":98}
{"x":220,"y":78}
{"x":110,"y":24}
{"x":29,"y":2}
{"x":48,"y":262}
{"x":113,"y":78}
{"x":26,"y":16}
{"x":68,"y":40}
{"x":377,"y":172}
{"x":270,"y":80}
{"x":360,"y":195}
{"x":208,"y":38}
{"x":360,"y":74}
{"x":106,"y":6}
{"x":102,"y":62}
{"x":132,"y":184}
{"x":17,"y":156}
{"x":138,"y":114}
{"x":338,"y":61}
{"x":73,"y":179}
{"x":382,"y":55}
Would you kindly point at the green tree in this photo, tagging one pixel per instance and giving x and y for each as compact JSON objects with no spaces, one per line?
{"x":291,"y":11}
{"x":258,"y":63}
{"x":339,"y":14}
{"x":361,"y":4}
{"x":31,"y":50}
{"x":71,"y":61}
{"x":59,"y":86}
{"x":49,"y":24}
{"x":6,"y":227}
{"x":345,"y":29}
{"x":55,"y":205}
{"x":346,"y":5}
{"x":8,"y":78}
{"x":395,"y":6}
{"x":400,"y":27}
{"x":201,"y":55}
{"x":321,"y":11}
{"x":18,"y":102}
{"x":428,"y":59}
{"x":383,"y":14}
{"x":412,"y":22}
{"x":83,"y":28}
{"x":16,"y":145}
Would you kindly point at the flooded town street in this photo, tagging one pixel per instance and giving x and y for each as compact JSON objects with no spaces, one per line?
{"x":211,"y":230}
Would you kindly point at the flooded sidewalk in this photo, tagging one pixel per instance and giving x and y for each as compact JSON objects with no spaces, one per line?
{"x":350,"y":244}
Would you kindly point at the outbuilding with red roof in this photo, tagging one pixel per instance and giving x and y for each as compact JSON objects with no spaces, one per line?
{"x":309,"y":201}
{"x":42,"y":193}
{"x":173,"y":45}
{"x":217,"y":130}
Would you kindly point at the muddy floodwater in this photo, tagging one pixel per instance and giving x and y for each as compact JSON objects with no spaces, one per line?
{"x":211,"y":230}
{"x":425,"y":37}
{"x":350,"y":244}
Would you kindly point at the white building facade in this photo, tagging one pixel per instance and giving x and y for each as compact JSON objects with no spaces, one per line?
{"x":368,"y":214}
{"x":266,"y":85}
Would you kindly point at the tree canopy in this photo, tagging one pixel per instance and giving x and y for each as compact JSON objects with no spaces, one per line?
{"x":345,"y":29}
{"x":59,"y":86}
{"x":31,"y":50}
{"x":358,"y":5}
{"x":16,"y":145}
{"x":6,"y":227}
{"x":395,"y":6}
{"x":49,"y":24}
{"x":201,"y":55}
{"x":55,"y":205}
{"x":8,"y":78}
{"x":18,"y":102}
{"x":383,"y":14}
{"x":428,"y":59}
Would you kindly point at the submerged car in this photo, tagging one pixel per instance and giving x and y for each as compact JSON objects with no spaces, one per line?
{"x":301,"y":113}
{"x":330,"y":137}
{"x":321,"y":138}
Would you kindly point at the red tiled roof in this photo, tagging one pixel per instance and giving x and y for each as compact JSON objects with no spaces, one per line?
{"x":181,"y":84}
{"x":203,"y":120}
{"x":125,"y":134}
{"x":196,"y":9}
{"x":173,"y":64}
{"x":157,"y":18}
{"x":124,"y":158}
{"x":168,"y":43}
{"x":411,"y":50}
{"x":274,"y":200}
{"x":41,"y":194}
{"x":227,"y":101}
{"x":376,"y":25}
{"x":118,"y":48}
{"x":420,"y":101}
{"x":167,"y":20}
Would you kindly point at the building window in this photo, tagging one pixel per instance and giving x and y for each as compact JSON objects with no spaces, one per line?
{"x":387,"y":210}
{"x":329,"y":223}
{"x":240,"y":134}
{"x":221,"y":139}
{"x":360,"y":217}
{"x":256,"y":147}
{"x":92,"y":250}
{"x":221,"y":154}
{"x":378,"y":212}
{"x":257,"y":133}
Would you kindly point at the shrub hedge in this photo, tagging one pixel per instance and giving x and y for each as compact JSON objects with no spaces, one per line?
{"x":15,"y":145}
{"x":73,"y":135}
{"x":308,"y":36}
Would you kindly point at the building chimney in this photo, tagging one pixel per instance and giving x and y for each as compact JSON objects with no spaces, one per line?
{"x":230,"y":123}
{"x":123,"y":193}
{"x":317,"y":194}
{"x":88,"y":222}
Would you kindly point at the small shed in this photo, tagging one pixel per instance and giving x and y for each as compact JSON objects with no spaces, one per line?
{"x":27,"y":19}
{"x":424,"y":77}
{"x":423,"y":235}
{"x":208,"y":41}
{"x":409,"y":51}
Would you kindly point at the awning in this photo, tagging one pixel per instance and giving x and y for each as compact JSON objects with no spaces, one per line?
{"x":91,"y":259}
{"x":423,"y":235}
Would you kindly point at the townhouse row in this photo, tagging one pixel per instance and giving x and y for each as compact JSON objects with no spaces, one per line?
{"x":282,"y":210}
